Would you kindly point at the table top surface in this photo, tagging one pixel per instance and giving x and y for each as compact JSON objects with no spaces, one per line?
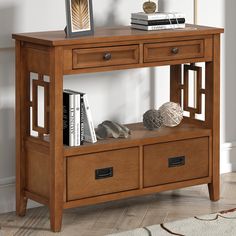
{"x":111,"y":34}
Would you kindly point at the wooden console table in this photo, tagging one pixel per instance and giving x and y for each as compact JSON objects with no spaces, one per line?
{"x":147,"y":162}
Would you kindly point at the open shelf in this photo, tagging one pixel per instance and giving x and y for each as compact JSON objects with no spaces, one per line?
{"x":140,"y":136}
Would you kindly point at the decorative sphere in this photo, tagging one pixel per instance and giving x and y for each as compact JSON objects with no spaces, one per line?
{"x":152,"y":119}
{"x":149,"y":7}
{"x":172,"y":114}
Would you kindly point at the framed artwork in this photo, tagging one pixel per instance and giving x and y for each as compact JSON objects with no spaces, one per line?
{"x":79,"y":17}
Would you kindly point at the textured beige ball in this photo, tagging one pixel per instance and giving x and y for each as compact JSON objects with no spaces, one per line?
{"x":172,"y":114}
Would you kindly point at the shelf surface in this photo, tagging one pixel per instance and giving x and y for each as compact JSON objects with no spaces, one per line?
{"x":140,"y":136}
{"x":109,"y":34}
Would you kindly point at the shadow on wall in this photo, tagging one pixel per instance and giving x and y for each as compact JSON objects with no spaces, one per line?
{"x":230,"y":79}
{"x":152,"y":71}
{"x":7,"y":96}
{"x":7,"y":142}
{"x":161,"y":5}
{"x":7,"y":118}
{"x":7,"y":19}
{"x":110,"y":17}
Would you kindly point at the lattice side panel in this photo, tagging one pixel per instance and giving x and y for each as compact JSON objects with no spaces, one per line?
{"x":37,"y":83}
{"x":188,"y":89}
{"x":196,"y":88}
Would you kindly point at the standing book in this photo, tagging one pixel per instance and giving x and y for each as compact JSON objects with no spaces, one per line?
{"x":89,"y":131}
{"x":74,"y":118}
{"x":81,"y":119}
{"x":77,"y":119}
{"x":68,"y":119}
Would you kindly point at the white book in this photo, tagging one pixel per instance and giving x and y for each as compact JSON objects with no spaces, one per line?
{"x":89,"y":131}
{"x":77,"y":119}
{"x":157,"y":27}
{"x":157,"y":15}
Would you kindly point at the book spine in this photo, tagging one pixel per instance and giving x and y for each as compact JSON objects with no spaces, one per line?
{"x":158,"y":22}
{"x":77,"y":120}
{"x":66,"y":119}
{"x":81,"y":119}
{"x":158,"y":27}
{"x":71,"y":120}
{"x":90,"y":135}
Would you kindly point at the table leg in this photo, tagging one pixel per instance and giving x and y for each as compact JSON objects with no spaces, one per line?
{"x":56,"y":139}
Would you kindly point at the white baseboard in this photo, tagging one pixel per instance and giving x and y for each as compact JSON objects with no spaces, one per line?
{"x":228,"y":157}
{"x":7,"y":185}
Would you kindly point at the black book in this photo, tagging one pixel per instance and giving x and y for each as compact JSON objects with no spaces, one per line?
{"x":68,"y":119}
{"x":79,"y":116}
{"x":158,"y":22}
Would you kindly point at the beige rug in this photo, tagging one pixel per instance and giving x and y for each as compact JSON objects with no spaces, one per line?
{"x":85,"y":223}
{"x":218,"y":224}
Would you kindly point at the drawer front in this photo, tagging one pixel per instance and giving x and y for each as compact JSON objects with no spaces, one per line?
{"x":105,"y":56}
{"x":176,"y":161}
{"x":154,"y":52}
{"x":102,"y":173}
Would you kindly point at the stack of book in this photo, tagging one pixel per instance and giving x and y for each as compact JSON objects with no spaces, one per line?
{"x":77,"y":119}
{"x":157,"y":21}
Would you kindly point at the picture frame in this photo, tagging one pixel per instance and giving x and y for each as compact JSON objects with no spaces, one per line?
{"x":79,"y":18}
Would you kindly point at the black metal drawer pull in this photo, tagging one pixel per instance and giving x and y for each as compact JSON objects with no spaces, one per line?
{"x":104,"y":173}
{"x":176,"y":161}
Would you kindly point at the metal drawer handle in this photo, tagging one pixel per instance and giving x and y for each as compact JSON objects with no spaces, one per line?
{"x":104,"y":173}
{"x":107,"y":56}
{"x":176,"y":161}
{"x":174,"y":50}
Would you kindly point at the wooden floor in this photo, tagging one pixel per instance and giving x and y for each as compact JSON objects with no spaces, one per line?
{"x":126,"y":214}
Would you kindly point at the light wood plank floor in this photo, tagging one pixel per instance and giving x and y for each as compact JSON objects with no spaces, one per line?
{"x":126,"y":214}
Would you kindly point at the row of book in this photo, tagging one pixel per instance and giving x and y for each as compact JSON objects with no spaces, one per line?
{"x":77,"y":119}
{"x":157,"y":21}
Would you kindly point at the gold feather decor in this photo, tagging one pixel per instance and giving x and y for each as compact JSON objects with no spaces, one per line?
{"x":80,"y":15}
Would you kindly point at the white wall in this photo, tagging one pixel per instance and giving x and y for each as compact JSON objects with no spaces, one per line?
{"x":29,"y":15}
{"x":223,"y":12}
{"x":120,"y":95}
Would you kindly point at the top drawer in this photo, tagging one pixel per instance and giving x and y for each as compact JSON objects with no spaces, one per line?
{"x":105,"y":56}
{"x":154,"y":52}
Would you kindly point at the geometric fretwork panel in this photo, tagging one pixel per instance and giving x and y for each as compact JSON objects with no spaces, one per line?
{"x":192,"y":90}
{"x":43,"y":85}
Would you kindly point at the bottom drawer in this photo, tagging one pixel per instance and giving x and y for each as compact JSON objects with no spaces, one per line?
{"x":176,"y":161}
{"x":102,"y":173}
